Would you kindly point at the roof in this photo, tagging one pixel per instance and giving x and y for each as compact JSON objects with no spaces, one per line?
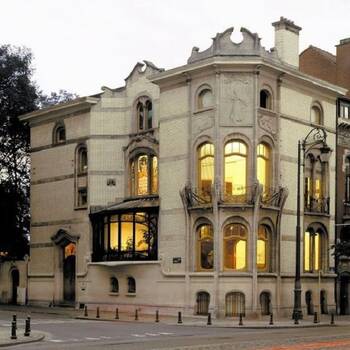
{"x":148,"y":202}
{"x":324,"y":53}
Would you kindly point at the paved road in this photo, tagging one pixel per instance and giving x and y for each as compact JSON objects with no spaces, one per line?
{"x":66,"y":333}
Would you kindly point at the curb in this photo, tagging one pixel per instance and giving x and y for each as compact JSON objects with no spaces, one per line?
{"x":21,"y":342}
{"x":215,"y":325}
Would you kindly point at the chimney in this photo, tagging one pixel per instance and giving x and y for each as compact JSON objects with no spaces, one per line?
{"x":343,"y":64}
{"x":287,"y":41}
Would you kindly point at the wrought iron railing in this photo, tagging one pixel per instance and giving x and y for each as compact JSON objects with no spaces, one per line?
{"x":271,"y":196}
{"x":197,"y":197}
{"x":316,"y":205}
{"x":241,"y":195}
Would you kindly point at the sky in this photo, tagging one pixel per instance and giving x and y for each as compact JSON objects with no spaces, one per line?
{"x":81,"y":45}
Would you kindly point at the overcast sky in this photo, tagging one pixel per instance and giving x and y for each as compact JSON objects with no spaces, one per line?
{"x":81,"y":45}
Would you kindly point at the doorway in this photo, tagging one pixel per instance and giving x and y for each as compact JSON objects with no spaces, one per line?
{"x":69,"y":263}
{"x":15,"y":285}
{"x":344,"y":295}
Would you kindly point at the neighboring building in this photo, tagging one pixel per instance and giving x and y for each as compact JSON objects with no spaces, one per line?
{"x":147,"y":195}
{"x":336,"y":69}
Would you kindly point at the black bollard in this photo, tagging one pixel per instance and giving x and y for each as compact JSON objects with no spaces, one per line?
{"x":209,"y":319}
{"x":315,"y":317}
{"x":332,"y":318}
{"x":27,"y":328}
{"x":179,"y":317}
{"x":240,"y":319}
{"x":136,"y":315}
{"x":98,"y":312}
{"x":13,"y":330}
{"x":296,"y":320}
{"x":157,"y":316}
{"x":271,"y":319}
{"x":14,"y":319}
{"x":86,"y":311}
{"x":28,"y":318}
{"x":116,"y":314}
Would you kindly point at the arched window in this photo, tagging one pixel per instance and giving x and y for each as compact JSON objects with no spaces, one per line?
{"x":265,"y":99}
{"x":314,"y":245}
{"x":234,"y":304}
{"x":316,"y":115}
{"x":205,"y":99}
{"x":144,"y":175}
{"x":203,"y":300}
{"x":263,"y":249}
{"x":235,"y":247}
{"x":264,"y":166}
{"x":205,"y":247}
{"x":144,"y":114}
{"x":265,"y":303}
{"x":309,"y":302}
{"x":205,"y":168}
{"x":82,"y":162}
{"x":131,"y":285}
{"x":59,"y":134}
{"x":235,"y":168}
{"x":114,"y":285}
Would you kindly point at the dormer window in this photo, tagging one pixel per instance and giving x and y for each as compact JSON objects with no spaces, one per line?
{"x":144,"y":114}
{"x":59,"y":134}
{"x":265,"y":99}
{"x":205,"y":99}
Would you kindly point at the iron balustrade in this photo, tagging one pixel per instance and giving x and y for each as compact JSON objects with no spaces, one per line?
{"x":316,"y":205}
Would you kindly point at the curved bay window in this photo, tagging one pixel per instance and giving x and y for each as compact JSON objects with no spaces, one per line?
{"x":144,"y":175}
{"x":235,"y":247}
{"x":126,"y":236}
{"x":205,"y":168}
{"x":205,"y":247}
{"x":235,"y":168}
{"x":314,"y":242}
{"x":144,"y":114}
{"x":264,"y":166}
{"x":263,"y":248}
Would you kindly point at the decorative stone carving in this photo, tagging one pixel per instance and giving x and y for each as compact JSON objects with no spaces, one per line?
{"x":268,"y":124}
{"x":147,"y":68}
{"x":235,"y":107}
{"x":223,"y":46}
{"x":201,"y":123}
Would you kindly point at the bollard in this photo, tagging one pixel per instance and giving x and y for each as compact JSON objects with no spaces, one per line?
{"x":240,"y":319}
{"x":136,"y":315}
{"x":179,"y":317}
{"x":98,"y":312}
{"x":271,"y":319}
{"x":332,"y":318}
{"x":85,"y":311}
{"x":27,"y":328}
{"x":14,"y":319}
{"x":315,"y":317}
{"x":13,"y":330}
{"x":116,"y":314}
{"x":209,"y":319}
{"x":157,"y":316}
{"x":296,"y":320}
{"x":28,"y":318}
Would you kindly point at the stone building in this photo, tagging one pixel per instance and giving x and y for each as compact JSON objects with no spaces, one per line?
{"x":177,"y":191}
{"x":336,"y":69}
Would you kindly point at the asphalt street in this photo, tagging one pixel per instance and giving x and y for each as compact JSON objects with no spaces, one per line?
{"x":67,"y":333}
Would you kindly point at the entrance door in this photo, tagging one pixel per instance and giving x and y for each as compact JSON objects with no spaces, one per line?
{"x":69,"y":273}
{"x":344,"y":295}
{"x":15,"y":284}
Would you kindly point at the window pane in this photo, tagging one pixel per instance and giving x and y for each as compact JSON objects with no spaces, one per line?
{"x":149,"y":115}
{"x":205,"y":99}
{"x":142,"y":175}
{"x":140,"y":116}
{"x":114,"y":235}
{"x":154,"y":175}
{"x":206,"y":167}
{"x":235,"y":175}
{"x":317,"y":252}
{"x":126,"y":236}
{"x":307,"y":251}
{"x":141,"y":237}
{"x":241,"y":254}
{"x":261,"y":254}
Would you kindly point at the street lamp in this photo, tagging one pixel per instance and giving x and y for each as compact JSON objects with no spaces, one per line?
{"x":316,"y":136}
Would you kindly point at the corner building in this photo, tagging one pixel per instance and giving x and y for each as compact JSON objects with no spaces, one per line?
{"x":177,"y":191}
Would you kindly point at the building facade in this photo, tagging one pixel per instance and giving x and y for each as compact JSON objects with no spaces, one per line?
{"x":177,"y":191}
{"x":336,"y":69}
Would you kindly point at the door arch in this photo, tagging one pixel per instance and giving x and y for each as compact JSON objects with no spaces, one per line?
{"x":203,"y":300}
{"x":14,"y":285}
{"x":265,"y":303}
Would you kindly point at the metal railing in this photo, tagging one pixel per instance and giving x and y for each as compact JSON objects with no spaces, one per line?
{"x":197,"y":197}
{"x":316,"y":205}
{"x":241,"y":195}
{"x":271,"y":196}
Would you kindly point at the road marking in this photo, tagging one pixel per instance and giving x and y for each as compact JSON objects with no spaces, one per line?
{"x":138,"y":335}
{"x":88,"y":338}
{"x":56,"y":340}
{"x":165,"y":333}
{"x":103,"y":337}
{"x":152,"y":334}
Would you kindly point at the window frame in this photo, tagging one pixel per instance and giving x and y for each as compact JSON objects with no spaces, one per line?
{"x":58,"y":128}
{"x":200,"y":159}
{"x":199,"y":241}
{"x":317,"y":106}
{"x":204,"y":89}
{"x":144,"y":116}
{"x":322,"y":245}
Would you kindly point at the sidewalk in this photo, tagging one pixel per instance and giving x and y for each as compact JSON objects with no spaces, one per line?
{"x":5,"y":337}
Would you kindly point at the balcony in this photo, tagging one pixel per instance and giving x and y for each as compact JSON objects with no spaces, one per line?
{"x":273,"y":197}
{"x":197,"y":198}
{"x":115,"y":255}
{"x":316,"y":205}
{"x":244,"y":195}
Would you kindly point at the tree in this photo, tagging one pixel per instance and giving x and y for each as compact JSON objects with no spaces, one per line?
{"x":18,"y":95}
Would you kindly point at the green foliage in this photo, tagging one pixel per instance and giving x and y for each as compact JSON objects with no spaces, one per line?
{"x":341,"y":248}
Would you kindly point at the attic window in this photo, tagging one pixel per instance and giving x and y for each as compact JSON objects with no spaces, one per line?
{"x":205,"y":99}
{"x":265,"y":99}
{"x":59,"y":134}
{"x":144,"y":114}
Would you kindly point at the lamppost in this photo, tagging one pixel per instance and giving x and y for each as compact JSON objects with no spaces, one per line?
{"x":316,"y":136}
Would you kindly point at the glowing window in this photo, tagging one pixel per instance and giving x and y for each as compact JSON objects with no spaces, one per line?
{"x":312,"y":251}
{"x":235,"y":168}
{"x":263,"y":165}
{"x":205,"y":99}
{"x":205,"y":247}
{"x":262,"y":249}
{"x":205,"y":168}
{"x":235,"y":247}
